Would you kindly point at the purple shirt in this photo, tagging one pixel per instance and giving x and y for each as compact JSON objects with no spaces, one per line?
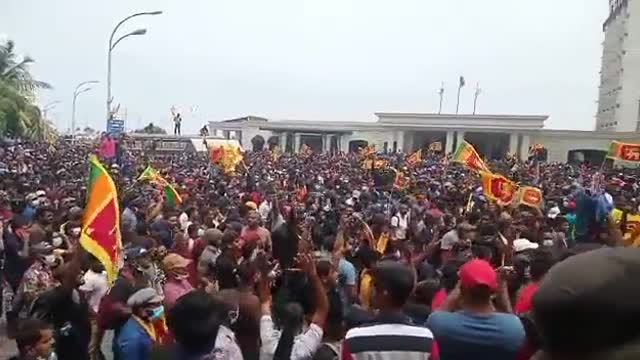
{"x":173,"y":290}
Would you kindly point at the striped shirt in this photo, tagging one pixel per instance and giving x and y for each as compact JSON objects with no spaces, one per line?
{"x":390,"y":337}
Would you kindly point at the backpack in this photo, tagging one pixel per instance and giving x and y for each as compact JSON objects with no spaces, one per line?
{"x":327,"y":351}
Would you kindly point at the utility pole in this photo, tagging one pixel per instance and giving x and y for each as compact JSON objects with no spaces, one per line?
{"x":441,"y":93}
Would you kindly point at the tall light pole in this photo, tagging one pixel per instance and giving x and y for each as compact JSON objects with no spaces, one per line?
{"x":113,"y":44}
{"x":43,"y":118}
{"x":79,"y":90}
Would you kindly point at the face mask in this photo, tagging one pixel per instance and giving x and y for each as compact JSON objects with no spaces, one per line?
{"x":233,"y":315}
{"x":49,"y":259}
{"x":56,"y":241}
{"x":181,"y":277}
{"x":155,"y":313}
{"x":75,"y":231}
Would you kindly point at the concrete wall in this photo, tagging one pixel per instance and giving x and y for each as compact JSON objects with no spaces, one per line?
{"x":377,"y":138}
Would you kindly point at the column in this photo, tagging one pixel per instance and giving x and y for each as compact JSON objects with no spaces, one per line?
{"x":325,"y":143}
{"x":343,"y":143}
{"x":296,"y":143}
{"x":513,"y":143}
{"x":448,"y":146}
{"x":329,"y":142}
{"x":524,"y":147}
{"x":459,"y":137}
{"x":282,"y":142}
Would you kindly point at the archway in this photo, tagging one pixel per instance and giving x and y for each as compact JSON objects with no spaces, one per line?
{"x":356,"y":145}
{"x":273,"y":142}
{"x":590,"y":156}
{"x":257,"y":142}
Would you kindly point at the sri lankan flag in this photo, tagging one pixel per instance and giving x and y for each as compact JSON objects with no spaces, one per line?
{"x":467,"y":155}
{"x":171,"y":194}
{"x":498,"y":188}
{"x":530,"y":196}
{"x":415,"y":158}
{"x":100,"y":234}
{"x":150,"y":174}
{"x":624,"y":151}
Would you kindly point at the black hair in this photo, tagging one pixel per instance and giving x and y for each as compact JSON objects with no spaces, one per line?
{"x":291,"y":318}
{"x":541,"y":261}
{"x":482,"y":252}
{"x":41,"y":211}
{"x":192,"y":229}
{"x":194,"y":321}
{"x":246,"y":272}
{"x":394,"y":278}
{"x":18,"y":221}
{"x":426,"y":290}
{"x":450,"y":274}
{"x":29,"y":332}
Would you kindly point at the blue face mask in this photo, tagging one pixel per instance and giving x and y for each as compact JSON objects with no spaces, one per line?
{"x":155,"y":313}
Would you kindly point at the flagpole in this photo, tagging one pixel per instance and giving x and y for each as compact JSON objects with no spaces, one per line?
{"x":458,"y":101}
{"x":441,"y":93}
{"x":475,"y":98}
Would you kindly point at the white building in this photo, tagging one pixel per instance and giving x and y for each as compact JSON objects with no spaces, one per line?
{"x":619,"y":92}
{"x":492,"y":135}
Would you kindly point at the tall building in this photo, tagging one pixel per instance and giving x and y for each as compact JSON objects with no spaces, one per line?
{"x":619,"y":97}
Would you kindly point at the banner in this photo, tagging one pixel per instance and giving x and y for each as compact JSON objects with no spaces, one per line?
{"x":435,"y":146}
{"x":467,"y":155}
{"x":624,"y":151}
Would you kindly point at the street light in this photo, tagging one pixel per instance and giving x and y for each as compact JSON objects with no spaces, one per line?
{"x":79,"y":90}
{"x":43,"y":118}
{"x":112,"y":45}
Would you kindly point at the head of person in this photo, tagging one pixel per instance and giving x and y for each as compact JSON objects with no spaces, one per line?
{"x":541,"y":261}
{"x":43,"y":252}
{"x":20,"y":226}
{"x":327,"y":273}
{"x":146,"y":304}
{"x":212,"y":237}
{"x":193,"y":231}
{"x":403,"y":209}
{"x":175,"y":267}
{"x":393,"y":283}
{"x":194,"y":322}
{"x":253,"y":219}
{"x":34,"y":339}
{"x":44,"y":215}
{"x":478,"y":281}
{"x":138,"y":258}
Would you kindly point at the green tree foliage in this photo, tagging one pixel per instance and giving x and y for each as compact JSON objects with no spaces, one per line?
{"x":19,"y":116}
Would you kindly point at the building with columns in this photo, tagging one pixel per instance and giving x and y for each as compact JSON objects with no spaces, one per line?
{"x":493,"y":135}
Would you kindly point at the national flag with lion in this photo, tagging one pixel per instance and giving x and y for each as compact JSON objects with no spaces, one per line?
{"x":498,"y":188}
{"x":171,"y":195}
{"x":100,"y":233}
{"x":415,"y":158}
{"x":624,"y":151}
{"x":467,"y":155}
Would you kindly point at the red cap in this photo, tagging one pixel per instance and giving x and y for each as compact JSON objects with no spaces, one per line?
{"x":478,"y":273}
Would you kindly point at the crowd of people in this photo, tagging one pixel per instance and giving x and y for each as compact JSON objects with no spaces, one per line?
{"x":315,"y":256}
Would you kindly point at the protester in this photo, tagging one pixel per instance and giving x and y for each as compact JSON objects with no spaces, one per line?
{"x":145,"y":328}
{"x":35,"y":341}
{"x":376,"y":257}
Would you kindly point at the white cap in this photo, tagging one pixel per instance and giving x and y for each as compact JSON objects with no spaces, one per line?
{"x":523,"y":244}
{"x":40,"y":193}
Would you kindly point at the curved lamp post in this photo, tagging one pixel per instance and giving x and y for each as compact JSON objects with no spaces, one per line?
{"x":113,"y":44}
{"x":79,"y":90}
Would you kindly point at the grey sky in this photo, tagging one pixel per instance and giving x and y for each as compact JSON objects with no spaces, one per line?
{"x":315,"y":59}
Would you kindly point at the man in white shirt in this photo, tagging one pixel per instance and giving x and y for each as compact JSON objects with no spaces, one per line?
{"x":95,"y":286}
{"x":400,"y":223}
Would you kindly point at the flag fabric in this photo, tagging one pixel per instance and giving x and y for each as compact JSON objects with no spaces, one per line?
{"x":400,"y":182}
{"x":217,"y":154}
{"x":368,"y":151}
{"x":624,"y":151}
{"x":435,"y":146}
{"x":227,"y":157}
{"x":631,"y":230}
{"x":100,"y":233}
{"x":468,"y":156}
{"x":530,"y":196}
{"x":462,"y":81}
{"x":498,"y":188}
{"x":306,"y":151}
{"x":415,"y":158}
{"x":171,"y":195}
{"x":150,"y":174}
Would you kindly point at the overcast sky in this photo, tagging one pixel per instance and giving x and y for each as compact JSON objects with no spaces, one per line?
{"x":315,"y":59}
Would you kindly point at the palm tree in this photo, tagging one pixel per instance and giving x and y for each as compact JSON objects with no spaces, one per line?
{"x":18,"y":114}
{"x":14,"y":70}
